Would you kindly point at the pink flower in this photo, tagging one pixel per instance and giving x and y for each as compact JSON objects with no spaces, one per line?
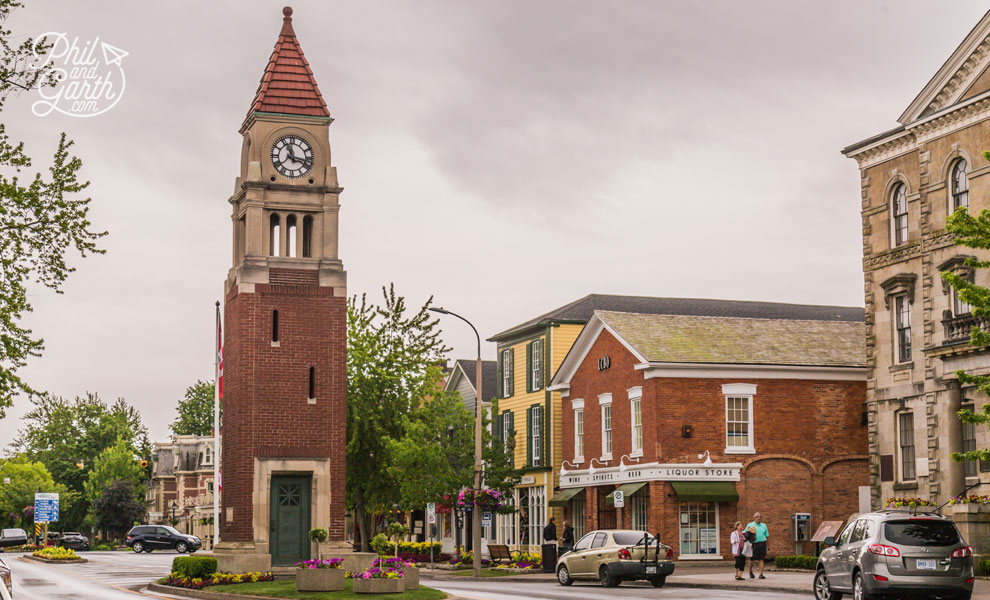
{"x":366,"y":575}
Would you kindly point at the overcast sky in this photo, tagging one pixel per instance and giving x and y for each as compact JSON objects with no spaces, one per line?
{"x":504,"y":157}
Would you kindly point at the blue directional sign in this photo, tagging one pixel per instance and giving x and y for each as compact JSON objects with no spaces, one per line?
{"x":45,"y":507}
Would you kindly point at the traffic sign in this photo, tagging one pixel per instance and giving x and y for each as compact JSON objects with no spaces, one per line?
{"x":45,"y":507}
{"x":619,"y":497}
{"x":486,"y":519}
{"x":431,"y":513}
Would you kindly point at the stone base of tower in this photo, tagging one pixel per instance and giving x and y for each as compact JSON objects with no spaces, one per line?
{"x":241,"y":557}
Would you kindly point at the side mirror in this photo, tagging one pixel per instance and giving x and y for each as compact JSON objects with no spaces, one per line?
{"x":13,"y":537}
{"x":829,"y":541}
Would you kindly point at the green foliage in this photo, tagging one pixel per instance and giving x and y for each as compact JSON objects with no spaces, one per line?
{"x":380,"y":544}
{"x":318,"y":534}
{"x":195,"y":411}
{"x":972,"y":232}
{"x":116,"y":463}
{"x":983,"y":567}
{"x":194,"y":566}
{"x":26,"y":478}
{"x":42,"y":217}
{"x":499,"y":473}
{"x":796,"y":562}
{"x":392,"y":355}
{"x":117,"y":508}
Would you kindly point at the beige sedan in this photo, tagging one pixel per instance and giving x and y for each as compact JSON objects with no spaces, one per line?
{"x":615,"y":555}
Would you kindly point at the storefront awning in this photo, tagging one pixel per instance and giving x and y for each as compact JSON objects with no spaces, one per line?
{"x":564,"y":496}
{"x":706,"y":491}
{"x":628,"y":489}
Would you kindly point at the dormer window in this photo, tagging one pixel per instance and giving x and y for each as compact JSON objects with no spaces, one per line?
{"x":208,"y":456}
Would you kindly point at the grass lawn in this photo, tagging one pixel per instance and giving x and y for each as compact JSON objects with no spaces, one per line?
{"x":286,"y":588}
{"x":484,"y":573}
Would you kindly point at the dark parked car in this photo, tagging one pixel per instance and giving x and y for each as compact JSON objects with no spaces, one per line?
{"x":147,"y":538}
{"x":8,"y":538}
{"x":896,"y":553}
{"x":73,"y":540}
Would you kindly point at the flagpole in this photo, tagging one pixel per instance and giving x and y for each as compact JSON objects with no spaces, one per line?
{"x":216,"y":431}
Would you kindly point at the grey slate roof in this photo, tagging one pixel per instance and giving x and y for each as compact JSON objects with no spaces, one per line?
{"x":582,"y":309}
{"x":733,"y":340}
{"x":489,"y":374}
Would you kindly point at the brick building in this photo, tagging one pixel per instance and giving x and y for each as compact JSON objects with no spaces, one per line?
{"x":181,"y":489}
{"x":912,"y":178}
{"x":285,"y":328}
{"x":704,"y":420}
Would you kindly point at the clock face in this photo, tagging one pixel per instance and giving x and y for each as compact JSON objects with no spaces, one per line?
{"x":292,"y":156}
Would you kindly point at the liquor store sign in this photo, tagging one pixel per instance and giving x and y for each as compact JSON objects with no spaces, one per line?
{"x":652,"y":472}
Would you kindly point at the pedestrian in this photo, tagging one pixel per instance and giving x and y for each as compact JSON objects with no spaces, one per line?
{"x":567,"y":542}
{"x":738,"y":541}
{"x":550,"y":532}
{"x":759,"y":544}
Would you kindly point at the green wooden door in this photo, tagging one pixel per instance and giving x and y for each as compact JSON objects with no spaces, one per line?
{"x":290,"y":524}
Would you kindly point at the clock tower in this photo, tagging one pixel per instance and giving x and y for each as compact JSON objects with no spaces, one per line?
{"x":285,"y":328}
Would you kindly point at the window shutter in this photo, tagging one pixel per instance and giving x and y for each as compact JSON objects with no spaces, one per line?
{"x":512,"y":432}
{"x":499,"y":393}
{"x":496,"y":423}
{"x":529,"y":436}
{"x":543,"y":437}
{"x":539,"y":371}
{"x":529,"y":367}
{"x":512,"y":372}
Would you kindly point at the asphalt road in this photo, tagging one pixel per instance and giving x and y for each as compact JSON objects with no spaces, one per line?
{"x":107,"y":576}
{"x":493,"y":589}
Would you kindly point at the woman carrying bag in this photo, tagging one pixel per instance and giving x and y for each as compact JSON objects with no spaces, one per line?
{"x":747,"y":551}
{"x":738,"y":540}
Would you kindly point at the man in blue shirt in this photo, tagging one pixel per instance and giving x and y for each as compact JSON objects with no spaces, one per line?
{"x":759,"y":545}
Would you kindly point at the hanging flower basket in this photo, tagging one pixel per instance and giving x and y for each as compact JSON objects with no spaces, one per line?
{"x":488,"y":500}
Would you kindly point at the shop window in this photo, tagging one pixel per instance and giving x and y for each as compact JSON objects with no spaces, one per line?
{"x":960,"y":185}
{"x":537,"y":515}
{"x":969,"y":444}
{"x":606,"y":511}
{"x":507,"y":529}
{"x":577,"y":518}
{"x":905,"y":435}
{"x":899,"y":215}
{"x":639,"y":503}
{"x":523,"y":505}
{"x":699,"y":528}
{"x":902,"y":324}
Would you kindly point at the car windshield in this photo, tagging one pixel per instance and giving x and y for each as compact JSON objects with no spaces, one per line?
{"x":171,"y":530}
{"x":921,"y":532}
{"x":631,"y":538}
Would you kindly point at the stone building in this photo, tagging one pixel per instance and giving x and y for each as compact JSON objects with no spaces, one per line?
{"x":705,"y":420}
{"x":912,"y":178}
{"x":182,"y":487}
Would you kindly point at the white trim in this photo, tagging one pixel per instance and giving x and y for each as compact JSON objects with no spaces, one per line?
{"x":718,"y":537}
{"x":635,"y":392}
{"x":577,"y":403}
{"x":651,"y":472}
{"x":605,"y":398}
{"x":636,"y":452}
{"x":580,"y":349}
{"x":728,"y":371}
{"x":607,"y":451}
{"x":743,"y":389}
{"x":578,"y":458}
{"x":750,"y":406}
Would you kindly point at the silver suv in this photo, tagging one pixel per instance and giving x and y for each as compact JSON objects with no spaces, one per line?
{"x":896,"y":553}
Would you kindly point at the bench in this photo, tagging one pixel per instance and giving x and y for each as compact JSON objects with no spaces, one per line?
{"x":499,"y":552}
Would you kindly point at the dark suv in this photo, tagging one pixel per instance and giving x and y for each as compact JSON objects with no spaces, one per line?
{"x":73,"y":540}
{"x":894,"y":552}
{"x":146,"y":538}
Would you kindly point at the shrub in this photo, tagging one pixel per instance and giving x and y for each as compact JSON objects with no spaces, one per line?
{"x":56,"y":554}
{"x":194,"y":567}
{"x":983,"y":567}
{"x":380,"y":544}
{"x":198,"y":583}
{"x":318,"y":534}
{"x":796,"y":562}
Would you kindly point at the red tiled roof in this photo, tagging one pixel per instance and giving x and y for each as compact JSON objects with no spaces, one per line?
{"x":288,"y":85}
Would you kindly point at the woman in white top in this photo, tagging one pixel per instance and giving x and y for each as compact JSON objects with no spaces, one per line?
{"x":738,"y":541}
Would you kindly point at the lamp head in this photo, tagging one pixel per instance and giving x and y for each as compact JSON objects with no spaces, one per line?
{"x":439,"y":309}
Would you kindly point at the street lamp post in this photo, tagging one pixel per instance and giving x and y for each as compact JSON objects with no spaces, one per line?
{"x":475,"y":514}
{"x":174,"y":506}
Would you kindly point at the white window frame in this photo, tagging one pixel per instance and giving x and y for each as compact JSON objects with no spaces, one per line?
{"x":635,"y":410}
{"x":899,"y":301}
{"x":507,"y":372}
{"x":959,"y":308}
{"x":578,"y":516}
{"x":605,"y":402}
{"x":536,"y":436}
{"x":744,"y":391}
{"x":954,"y":192}
{"x":895,"y":230}
{"x":537,"y":515}
{"x":640,"y":516}
{"x":718,"y":540}
{"x":901,"y":447}
{"x":536,"y":361}
{"x":577,"y":405}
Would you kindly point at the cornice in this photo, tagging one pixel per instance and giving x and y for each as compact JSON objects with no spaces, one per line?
{"x":962,"y":78}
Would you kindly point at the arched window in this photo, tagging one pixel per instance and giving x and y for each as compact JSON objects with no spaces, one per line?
{"x":308,"y":236}
{"x":960,"y":184}
{"x":290,"y":227}
{"x":899,"y":215}
{"x":275,"y":236}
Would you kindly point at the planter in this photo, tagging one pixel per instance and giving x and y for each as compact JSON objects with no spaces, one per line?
{"x":973,"y":521}
{"x":378,"y":586}
{"x":411,"y":576}
{"x":319,"y":580}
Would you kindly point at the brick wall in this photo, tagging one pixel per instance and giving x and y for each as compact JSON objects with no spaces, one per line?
{"x":266,"y":390}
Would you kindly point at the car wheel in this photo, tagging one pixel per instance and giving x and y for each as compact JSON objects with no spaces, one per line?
{"x":564,"y":576}
{"x":137,"y":547}
{"x":822,"y":589}
{"x":658,"y":580}
{"x":181,"y":547}
{"x":859,"y":588}
{"x":606,"y":580}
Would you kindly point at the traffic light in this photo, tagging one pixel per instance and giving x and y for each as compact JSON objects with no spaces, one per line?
{"x":144,"y":464}
{"x":79,"y":465}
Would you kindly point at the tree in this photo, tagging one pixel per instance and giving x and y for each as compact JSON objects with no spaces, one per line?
{"x":65,"y":433}
{"x":42,"y":218}
{"x":195,"y":411}
{"x":26,"y":478}
{"x":390,"y":352}
{"x":116,"y":463}
{"x":117,"y":508}
{"x":972,"y":232}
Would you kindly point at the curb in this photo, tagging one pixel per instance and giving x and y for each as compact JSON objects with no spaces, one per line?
{"x":738,"y":588}
{"x":45,"y":561}
{"x":443,"y":577}
{"x":208,"y":595}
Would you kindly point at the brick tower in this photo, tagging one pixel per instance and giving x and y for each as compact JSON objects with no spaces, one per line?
{"x":285,"y":328}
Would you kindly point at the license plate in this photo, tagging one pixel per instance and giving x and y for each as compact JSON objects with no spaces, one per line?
{"x":928,"y":564}
{"x":651,"y":570}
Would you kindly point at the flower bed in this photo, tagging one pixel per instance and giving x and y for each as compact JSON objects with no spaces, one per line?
{"x":408,"y":568}
{"x":378,"y":581}
{"x":333,"y":563}
{"x":425,"y":558}
{"x":907,"y":502}
{"x":523,"y":561}
{"x":198,"y":583}
{"x":970,"y":500}
{"x":56,"y":554}
{"x":466,"y":558}
{"x":320,"y":575}
{"x":487,"y":500}
{"x":24,"y":548}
